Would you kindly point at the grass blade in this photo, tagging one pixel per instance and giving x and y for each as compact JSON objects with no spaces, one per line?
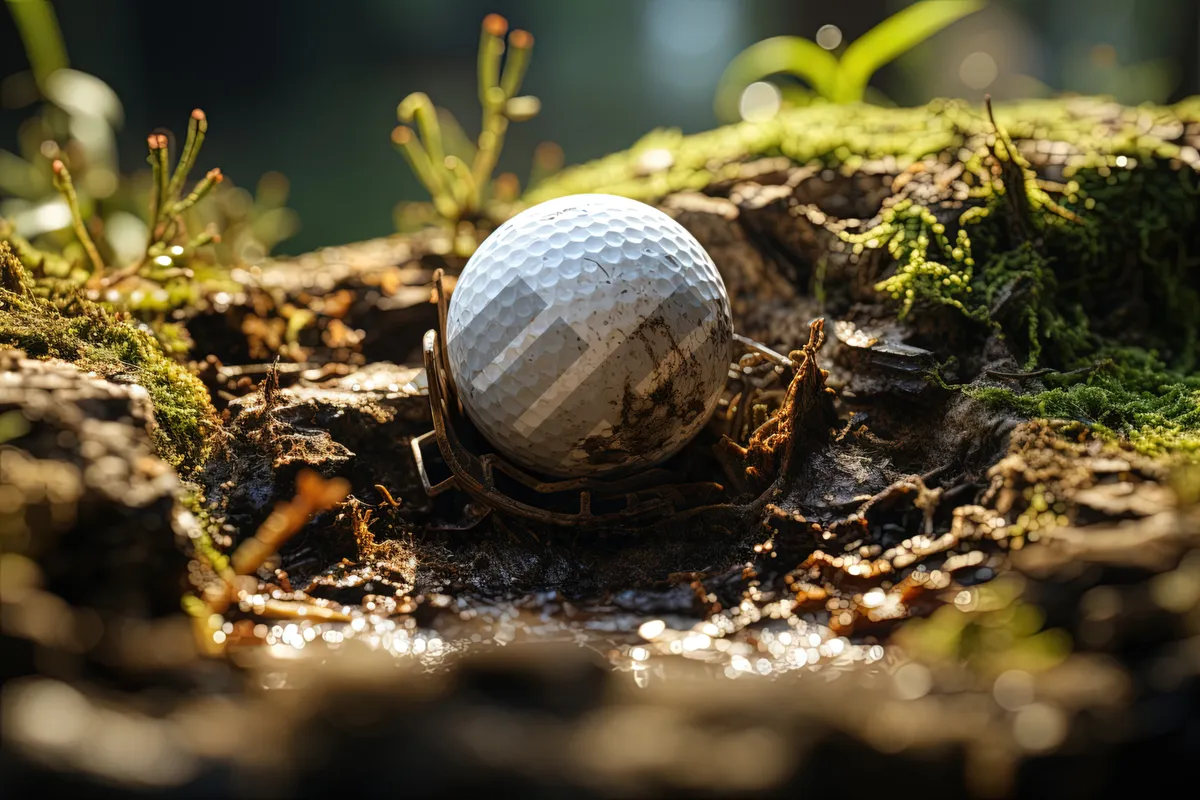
{"x":38,"y":27}
{"x":892,"y":37}
{"x":780,"y":54}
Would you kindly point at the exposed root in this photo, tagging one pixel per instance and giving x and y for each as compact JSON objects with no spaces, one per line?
{"x":806,"y":417}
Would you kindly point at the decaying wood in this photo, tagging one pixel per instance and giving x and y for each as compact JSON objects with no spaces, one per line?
{"x":865,"y":503}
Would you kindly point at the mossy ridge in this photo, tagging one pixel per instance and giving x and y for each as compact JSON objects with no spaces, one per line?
{"x":75,"y":329}
{"x":1044,"y":269}
{"x":62,"y":283}
{"x":843,"y":135}
{"x":1084,"y":237}
{"x":846,"y":136}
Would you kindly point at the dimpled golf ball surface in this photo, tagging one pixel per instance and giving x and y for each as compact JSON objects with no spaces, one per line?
{"x":589,"y":335}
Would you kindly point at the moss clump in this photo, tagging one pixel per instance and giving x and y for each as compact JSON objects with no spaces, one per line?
{"x":932,"y":267}
{"x":77,"y":330}
{"x":12,"y":273}
{"x":1104,"y":291}
{"x":1130,"y":396}
{"x":1109,"y":301}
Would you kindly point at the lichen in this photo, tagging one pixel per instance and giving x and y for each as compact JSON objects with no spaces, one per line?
{"x":75,"y":329}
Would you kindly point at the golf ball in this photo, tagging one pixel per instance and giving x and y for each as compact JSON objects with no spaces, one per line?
{"x":589,"y":335}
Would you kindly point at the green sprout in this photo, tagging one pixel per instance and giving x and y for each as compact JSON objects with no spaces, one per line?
{"x":169,"y":240}
{"x":837,"y":79}
{"x":456,"y":171}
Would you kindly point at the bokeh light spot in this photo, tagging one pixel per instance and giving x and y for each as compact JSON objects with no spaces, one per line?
{"x":978,"y":70}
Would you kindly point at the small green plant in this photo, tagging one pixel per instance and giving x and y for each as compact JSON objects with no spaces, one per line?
{"x":72,"y":98}
{"x":456,"y":171}
{"x":837,"y":79}
{"x":75,"y":124}
{"x":169,"y":240}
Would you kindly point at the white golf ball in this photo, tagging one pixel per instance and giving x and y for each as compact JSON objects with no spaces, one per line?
{"x":589,"y":335}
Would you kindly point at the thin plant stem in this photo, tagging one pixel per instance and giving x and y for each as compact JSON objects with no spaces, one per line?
{"x":407,"y":142}
{"x":156,"y":199}
{"x":197,"y":128}
{"x":65,"y":187}
{"x":491,"y":47}
{"x":418,"y":108}
{"x":515,"y":66}
{"x":161,"y":172}
{"x":206,"y":184}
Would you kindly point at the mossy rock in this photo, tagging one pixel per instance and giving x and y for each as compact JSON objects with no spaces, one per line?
{"x":75,"y":329}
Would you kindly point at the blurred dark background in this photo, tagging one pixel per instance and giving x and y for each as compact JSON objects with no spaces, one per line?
{"x":310,"y":88}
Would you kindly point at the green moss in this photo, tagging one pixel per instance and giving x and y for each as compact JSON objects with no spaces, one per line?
{"x":666,"y":161}
{"x":49,"y":265}
{"x":153,"y":303}
{"x":12,"y":273}
{"x":931,"y":268}
{"x":1105,"y":290}
{"x":75,"y":329}
{"x":1131,"y":396}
